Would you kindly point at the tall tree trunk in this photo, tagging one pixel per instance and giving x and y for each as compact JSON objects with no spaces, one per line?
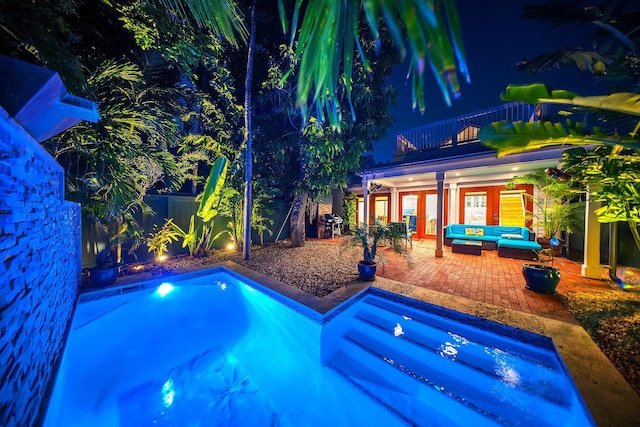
{"x":297,"y":221}
{"x":194,"y":184}
{"x":248,"y":158}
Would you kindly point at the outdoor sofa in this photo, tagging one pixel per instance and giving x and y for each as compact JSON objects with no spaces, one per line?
{"x":509,"y":241}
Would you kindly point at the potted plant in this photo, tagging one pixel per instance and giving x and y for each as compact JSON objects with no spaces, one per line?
{"x":369,"y":237}
{"x":107,"y":269}
{"x":542,"y":276}
{"x":556,"y":210}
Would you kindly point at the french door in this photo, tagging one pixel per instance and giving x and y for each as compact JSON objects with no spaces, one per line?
{"x":379,"y":209}
{"x":496,"y":205}
{"x":420,"y":210}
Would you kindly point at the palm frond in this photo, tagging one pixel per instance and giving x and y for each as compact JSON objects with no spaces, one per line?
{"x":222,"y":17}
{"x":328,"y":36}
{"x":584,"y":60}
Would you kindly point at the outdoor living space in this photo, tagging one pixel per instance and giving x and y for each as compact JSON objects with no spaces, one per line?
{"x":250,"y":213}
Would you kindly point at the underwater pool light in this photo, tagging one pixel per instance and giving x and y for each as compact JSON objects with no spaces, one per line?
{"x":164,"y":289}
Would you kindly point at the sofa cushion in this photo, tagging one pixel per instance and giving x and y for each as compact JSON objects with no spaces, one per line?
{"x":519,"y":244}
{"x":499,"y":230}
{"x":474,"y":231}
{"x":512,"y":236}
{"x":468,"y":237}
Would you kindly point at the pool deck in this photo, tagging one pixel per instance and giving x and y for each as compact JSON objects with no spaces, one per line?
{"x":491,"y":287}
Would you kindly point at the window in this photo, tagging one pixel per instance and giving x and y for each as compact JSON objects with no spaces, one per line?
{"x":475,"y":208}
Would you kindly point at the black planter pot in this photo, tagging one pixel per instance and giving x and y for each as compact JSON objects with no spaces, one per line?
{"x":103,"y":276}
{"x":541,"y":278}
{"x":367,"y":271}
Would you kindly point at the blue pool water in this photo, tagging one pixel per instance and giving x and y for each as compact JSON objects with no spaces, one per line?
{"x":213,"y":350}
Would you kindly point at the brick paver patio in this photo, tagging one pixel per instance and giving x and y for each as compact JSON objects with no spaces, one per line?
{"x":487,"y":278}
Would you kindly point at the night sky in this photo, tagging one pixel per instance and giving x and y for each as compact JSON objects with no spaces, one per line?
{"x":495,"y":39}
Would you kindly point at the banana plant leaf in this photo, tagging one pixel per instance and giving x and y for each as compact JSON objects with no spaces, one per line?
{"x":515,"y":137}
{"x":213,"y":187}
{"x":621,"y":102}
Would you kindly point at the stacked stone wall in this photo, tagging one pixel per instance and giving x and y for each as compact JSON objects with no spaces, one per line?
{"x":40,"y":266}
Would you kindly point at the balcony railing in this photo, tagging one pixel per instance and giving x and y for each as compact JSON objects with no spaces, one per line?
{"x":461,"y":130}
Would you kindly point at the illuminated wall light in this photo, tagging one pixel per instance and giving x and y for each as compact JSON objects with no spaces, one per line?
{"x":457,"y":173}
{"x":515,"y":168}
{"x":164,"y":289}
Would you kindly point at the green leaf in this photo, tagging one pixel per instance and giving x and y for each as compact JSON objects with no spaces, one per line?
{"x":515,"y":137}
{"x":211,"y":196}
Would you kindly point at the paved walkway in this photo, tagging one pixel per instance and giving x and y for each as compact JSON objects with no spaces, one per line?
{"x":487,"y":278}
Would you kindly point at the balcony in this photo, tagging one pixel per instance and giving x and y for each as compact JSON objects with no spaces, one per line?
{"x":457,"y":136}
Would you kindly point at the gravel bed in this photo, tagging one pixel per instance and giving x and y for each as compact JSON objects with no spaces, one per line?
{"x":317,"y":268}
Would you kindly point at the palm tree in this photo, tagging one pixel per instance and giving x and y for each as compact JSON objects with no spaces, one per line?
{"x":112,"y":163}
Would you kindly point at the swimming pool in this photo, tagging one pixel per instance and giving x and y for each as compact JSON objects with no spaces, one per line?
{"x":217,"y":349}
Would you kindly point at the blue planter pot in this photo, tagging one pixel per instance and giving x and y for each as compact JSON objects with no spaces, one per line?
{"x":103,"y":276}
{"x":367,"y":271}
{"x":541,"y":278}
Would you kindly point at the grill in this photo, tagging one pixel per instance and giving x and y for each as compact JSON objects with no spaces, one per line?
{"x":332,"y":225}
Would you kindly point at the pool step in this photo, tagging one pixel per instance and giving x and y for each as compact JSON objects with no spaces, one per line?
{"x":483,"y":363}
{"x":477,"y":381}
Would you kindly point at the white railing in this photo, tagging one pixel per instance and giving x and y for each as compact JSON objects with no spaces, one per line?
{"x":461,"y":130}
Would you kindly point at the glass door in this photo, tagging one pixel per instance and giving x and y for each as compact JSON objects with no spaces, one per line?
{"x":381,"y":208}
{"x":409,"y":211}
{"x":420,"y":210}
{"x":361,"y":211}
{"x":431,"y":214}
{"x":475,"y":208}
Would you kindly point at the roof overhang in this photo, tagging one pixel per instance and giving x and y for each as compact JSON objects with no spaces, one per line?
{"x":476,"y":167}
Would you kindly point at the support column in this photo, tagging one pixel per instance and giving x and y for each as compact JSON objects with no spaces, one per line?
{"x":365,"y":187}
{"x":453,"y":203}
{"x":394,"y":205}
{"x":440,"y":215}
{"x":591,"y":267}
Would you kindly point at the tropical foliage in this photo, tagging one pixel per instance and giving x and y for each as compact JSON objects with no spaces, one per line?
{"x":557,"y":207}
{"x":164,"y":74}
{"x":307,"y":159}
{"x":606,"y":171}
{"x":616,"y":41}
{"x":370,"y":237}
{"x":328,"y":35}
{"x":199,"y":240}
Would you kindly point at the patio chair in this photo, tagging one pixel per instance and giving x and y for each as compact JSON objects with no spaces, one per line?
{"x":403,"y":229}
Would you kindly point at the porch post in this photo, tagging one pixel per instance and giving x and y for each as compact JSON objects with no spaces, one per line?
{"x":440,"y":215}
{"x":394,"y":205}
{"x":591,"y":267}
{"x":453,"y":203}
{"x":365,"y":187}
